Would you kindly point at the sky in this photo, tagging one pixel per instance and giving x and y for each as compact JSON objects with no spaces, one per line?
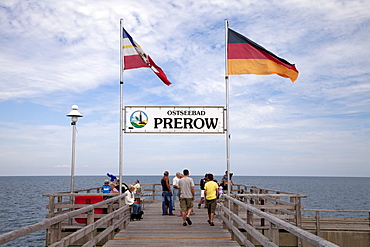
{"x":54,"y":54}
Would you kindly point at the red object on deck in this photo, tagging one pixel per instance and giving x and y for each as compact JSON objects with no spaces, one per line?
{"x":89,"y":200}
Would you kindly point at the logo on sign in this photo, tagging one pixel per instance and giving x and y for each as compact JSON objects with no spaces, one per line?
{"x":138,"y":119}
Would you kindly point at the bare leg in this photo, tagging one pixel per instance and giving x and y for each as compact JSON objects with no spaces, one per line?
{"x":211,"y":217}
{"x":183,"y":216}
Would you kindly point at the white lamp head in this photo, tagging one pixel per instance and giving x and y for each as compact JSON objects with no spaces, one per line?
{"x":74,"y":114}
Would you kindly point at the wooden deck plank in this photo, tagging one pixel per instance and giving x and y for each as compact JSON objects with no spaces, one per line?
{"x":158,"y":230}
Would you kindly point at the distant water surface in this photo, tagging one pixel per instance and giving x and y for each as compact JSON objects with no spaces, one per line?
{"x":22,"y":203}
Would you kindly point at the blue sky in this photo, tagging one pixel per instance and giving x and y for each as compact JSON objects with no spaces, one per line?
{"x":58,"y":53}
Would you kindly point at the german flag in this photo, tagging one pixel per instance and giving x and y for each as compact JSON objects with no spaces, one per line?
{"x":247,"y":57}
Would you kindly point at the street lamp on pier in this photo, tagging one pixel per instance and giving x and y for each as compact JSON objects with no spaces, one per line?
{"x":74,"y":114}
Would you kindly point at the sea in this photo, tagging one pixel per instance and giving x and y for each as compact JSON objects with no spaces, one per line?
{"x":22,"y":203}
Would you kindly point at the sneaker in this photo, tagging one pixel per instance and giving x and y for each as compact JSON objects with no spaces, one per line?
{"x":184,"y":224}
{"x":208,"y":222}
{"x":211,"y":224}
{"x":189,"y":221}
{"x":199,"y":205}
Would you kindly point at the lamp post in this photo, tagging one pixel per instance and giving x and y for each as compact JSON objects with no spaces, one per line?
{"x":74,"y":114}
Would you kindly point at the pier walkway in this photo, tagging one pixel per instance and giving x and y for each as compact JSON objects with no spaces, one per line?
{"x":158,"y":230}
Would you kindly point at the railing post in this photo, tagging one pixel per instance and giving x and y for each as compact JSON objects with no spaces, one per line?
{"x":235,"y":210}
{"x":249,"y":222}
{"x":153,"y":192}
{"x":90,"y":220}
{"x":274,"y":233}
{"x":54,"y":233}
{"x":224,"y":226}
{"x":110,"y":210}
{"x":298,"y":211}
{"x":298,"y":214}
{"x":262,"y":202}
{"x":51,"y":206}
{"x":60,"y":199}
{"x":318,"y":223}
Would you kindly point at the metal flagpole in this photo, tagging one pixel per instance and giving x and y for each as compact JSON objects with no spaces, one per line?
{"x":227,"y":111}
{"x":121,"y":108}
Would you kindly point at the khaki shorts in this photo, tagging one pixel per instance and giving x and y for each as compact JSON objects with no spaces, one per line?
{"x":186,"y":204}
{"x":212,"y":206}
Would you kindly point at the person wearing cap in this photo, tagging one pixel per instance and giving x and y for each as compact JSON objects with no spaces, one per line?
{"x":106,"y":188}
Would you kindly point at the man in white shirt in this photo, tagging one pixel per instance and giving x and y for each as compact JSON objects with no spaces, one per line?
{"x":130,"y":199}
{"x":175,"y":185}
{"x":186,"y":194}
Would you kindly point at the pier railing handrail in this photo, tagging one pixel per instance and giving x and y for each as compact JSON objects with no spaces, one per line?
{"x":276,"y":222}
{"x":336,"y":210}
{"x":7,"y":237}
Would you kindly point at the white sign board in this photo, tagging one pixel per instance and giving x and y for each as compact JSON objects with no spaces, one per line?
{"x":174,"y":119}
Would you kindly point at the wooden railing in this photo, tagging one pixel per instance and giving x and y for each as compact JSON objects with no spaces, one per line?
{"x":320,"y":222}
{"x":111,"y":221}
{"x":248,"y":216}
{"x":230,"y":215}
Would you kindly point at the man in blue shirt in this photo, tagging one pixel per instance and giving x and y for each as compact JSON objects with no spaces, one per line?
{"x":105,"y":188}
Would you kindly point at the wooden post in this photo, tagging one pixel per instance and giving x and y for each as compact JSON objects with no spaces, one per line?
{"x":110,"y":222}
{"x":274,"y":233}
{"x":318,"y":223}
{"x":153,"y":192}
{"x":54,"y":233}
{"x":60,"y":199}
{"x":249,"y":222}
{"x":235,"y":210}
{"x":90,"y":220}
{"x":262,"y":202}
{"x":298,"y":211}
{"x":298,"y":214}
{"x":51,"y":206}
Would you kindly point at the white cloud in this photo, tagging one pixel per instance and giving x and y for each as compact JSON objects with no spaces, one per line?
{"x":55,"y":54}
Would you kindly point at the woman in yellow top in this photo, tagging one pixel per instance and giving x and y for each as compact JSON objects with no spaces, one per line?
{"x":211,"y":195}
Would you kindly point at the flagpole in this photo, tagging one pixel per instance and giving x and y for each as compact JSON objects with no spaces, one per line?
{"x":121,"y":108}
{"x":227,"y":111}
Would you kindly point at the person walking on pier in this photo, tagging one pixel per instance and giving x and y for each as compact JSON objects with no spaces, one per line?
{"x":211,"y":194}
{"x":186,"y":194}
{"x":175,"y":191}
{"x":202,"y":182}
{"x":166,"y":195}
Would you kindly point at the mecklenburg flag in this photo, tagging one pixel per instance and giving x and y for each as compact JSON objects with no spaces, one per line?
{"x":134,"y":57}
{"x":247,"y":57}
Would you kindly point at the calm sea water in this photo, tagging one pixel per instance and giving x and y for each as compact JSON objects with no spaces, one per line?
{"x":22,"y":203}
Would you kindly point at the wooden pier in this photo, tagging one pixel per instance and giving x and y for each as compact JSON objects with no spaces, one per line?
{"x":158,"y":230}
{"x":259,"y":217}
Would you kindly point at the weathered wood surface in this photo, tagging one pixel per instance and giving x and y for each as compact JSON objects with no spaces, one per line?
{"x":158,"y":230}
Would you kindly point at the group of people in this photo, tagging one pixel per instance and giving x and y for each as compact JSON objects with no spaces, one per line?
{"x":183,"y":189}
{"x":129,"y":190}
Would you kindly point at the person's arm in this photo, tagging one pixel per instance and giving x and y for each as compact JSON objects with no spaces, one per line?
{"x":192,"y":192}
{"x":168,"y":185}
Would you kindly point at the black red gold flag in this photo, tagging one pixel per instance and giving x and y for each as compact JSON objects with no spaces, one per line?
{"x":247,"y":57}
